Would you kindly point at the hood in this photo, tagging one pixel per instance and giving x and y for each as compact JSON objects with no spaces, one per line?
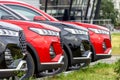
{"x":74,"y":26}
{"x":86,"y":25}
{"x":62,"y":25}
{"x":32,"y":24}
{"x":9,"y":26}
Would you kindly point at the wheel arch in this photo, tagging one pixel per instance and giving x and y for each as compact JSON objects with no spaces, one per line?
{"x":93,"y":52}
{"x":34,"y":55}
{"x":68,"y":52}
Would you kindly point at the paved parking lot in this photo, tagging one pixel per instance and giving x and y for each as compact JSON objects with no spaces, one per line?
{"x":111,"y":60}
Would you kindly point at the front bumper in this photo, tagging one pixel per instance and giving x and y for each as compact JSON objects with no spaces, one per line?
{"x":78,"y":47}
{"x":11,"y":49}
{"x":41,"y":45}
{"x":52,"y":65}
{"x":103,"y":56}
{"x":43,"y":59}
{"x":12,"y":72}
{"x":86,"y":59}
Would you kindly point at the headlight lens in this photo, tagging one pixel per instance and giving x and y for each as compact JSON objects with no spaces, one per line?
{"x":6,"y":32}
{"x":76,"y":31}
{"x":99,"y":31}
{"x":45,"y":32}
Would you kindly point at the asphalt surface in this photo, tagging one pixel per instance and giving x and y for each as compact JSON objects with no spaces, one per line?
{"x":111,"y":60}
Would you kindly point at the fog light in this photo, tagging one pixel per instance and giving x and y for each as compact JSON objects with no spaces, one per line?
{"x":52,"y":52}
{"x":82,"y":47}
{"x":104,"y":46}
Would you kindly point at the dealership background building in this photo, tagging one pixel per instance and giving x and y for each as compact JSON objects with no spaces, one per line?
{"x":74,"y":9}
{"x":35,"y":3}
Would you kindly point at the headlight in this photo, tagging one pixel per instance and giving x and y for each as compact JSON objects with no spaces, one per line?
{"x":45,"y":32}
{"x":6,"y":32}
{"x":99,"y":31}
{"x":76,"y":31}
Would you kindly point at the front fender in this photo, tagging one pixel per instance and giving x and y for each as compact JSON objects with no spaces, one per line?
{"x":34,"y":55}
{"x":69,"y":53}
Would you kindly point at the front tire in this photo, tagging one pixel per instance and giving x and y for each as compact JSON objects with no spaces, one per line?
{"x":30,"y":69}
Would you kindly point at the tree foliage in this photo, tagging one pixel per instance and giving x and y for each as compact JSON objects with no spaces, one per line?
{"x":107,"y":11}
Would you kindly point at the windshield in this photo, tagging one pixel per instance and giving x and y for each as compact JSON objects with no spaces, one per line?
{"x":27,"y":12}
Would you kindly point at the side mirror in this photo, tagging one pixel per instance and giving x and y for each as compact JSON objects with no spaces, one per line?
{"x":39,"y":18}
{"x":7,"y":17}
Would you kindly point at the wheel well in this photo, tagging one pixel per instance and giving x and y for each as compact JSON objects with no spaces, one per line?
{"x":68,"y":55}
{"x":33,"y":56}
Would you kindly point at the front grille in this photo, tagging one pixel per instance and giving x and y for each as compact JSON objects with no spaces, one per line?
{"x":61,"y":41}
{"x":22,"y":41}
